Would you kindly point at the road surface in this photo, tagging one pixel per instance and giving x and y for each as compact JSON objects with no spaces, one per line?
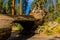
{"x":31,"y":37}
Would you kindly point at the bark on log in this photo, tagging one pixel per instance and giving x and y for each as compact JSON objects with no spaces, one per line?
{"x":17,"y":17}
{"x":5,"y":27}
{"x":6,"y":22}
{"x":24,"y":18}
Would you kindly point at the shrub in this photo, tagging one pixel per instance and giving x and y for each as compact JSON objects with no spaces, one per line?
{"x":17,"y":26}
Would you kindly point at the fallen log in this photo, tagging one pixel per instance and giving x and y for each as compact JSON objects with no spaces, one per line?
{"x":5,"y":26}
{"x":6,"y":22}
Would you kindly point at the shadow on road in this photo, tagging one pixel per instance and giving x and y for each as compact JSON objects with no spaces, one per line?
{"x":23,"y":36}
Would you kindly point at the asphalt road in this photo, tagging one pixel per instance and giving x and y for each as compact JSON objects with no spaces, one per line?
{"x":31,"y":37}
{"x":34,"y":38}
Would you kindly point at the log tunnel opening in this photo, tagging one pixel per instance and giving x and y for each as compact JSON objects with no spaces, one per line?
{"x":27,"y":25}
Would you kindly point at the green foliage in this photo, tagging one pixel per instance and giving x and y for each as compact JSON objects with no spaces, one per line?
{"x":37,"y":3}
{"x":9,"y":6}
{"x":49,"y":32}
{"x":17,"y":26}
{"x":1,"y":6}
{"x":52,"y":16}
{"x":45,"y":23}
{"x":4,"y":5}
{"x":51,"y":8}
{"x":56,"y":29}
{"x":58,"y":19}
{"x":41,"y":29}
{"x":17,"y":9}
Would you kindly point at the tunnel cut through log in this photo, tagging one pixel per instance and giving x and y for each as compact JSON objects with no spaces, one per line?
{"x":27,"y":25}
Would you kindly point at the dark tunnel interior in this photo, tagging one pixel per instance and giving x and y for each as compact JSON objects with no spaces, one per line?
{"x":27,"y":25}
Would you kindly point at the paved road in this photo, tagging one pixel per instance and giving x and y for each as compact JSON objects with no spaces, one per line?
{"x":30,"y":37}
{"x":35,"y":38}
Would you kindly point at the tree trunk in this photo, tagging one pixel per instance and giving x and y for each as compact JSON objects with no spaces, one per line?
{"x":13,"y":6}
{"x":50,"y":1}
{"x":20,"y":7}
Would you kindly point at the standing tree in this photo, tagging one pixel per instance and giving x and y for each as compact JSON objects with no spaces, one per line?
{"x":13,"y":7}
{"x":17,"y":7}
{"x":20,"y":7}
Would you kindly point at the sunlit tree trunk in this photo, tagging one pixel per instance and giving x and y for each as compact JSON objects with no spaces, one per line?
{"x":20,"y":7}
{"x":58,"y":1}
{"x":13,"y":6}
{"x":50,"y":1}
